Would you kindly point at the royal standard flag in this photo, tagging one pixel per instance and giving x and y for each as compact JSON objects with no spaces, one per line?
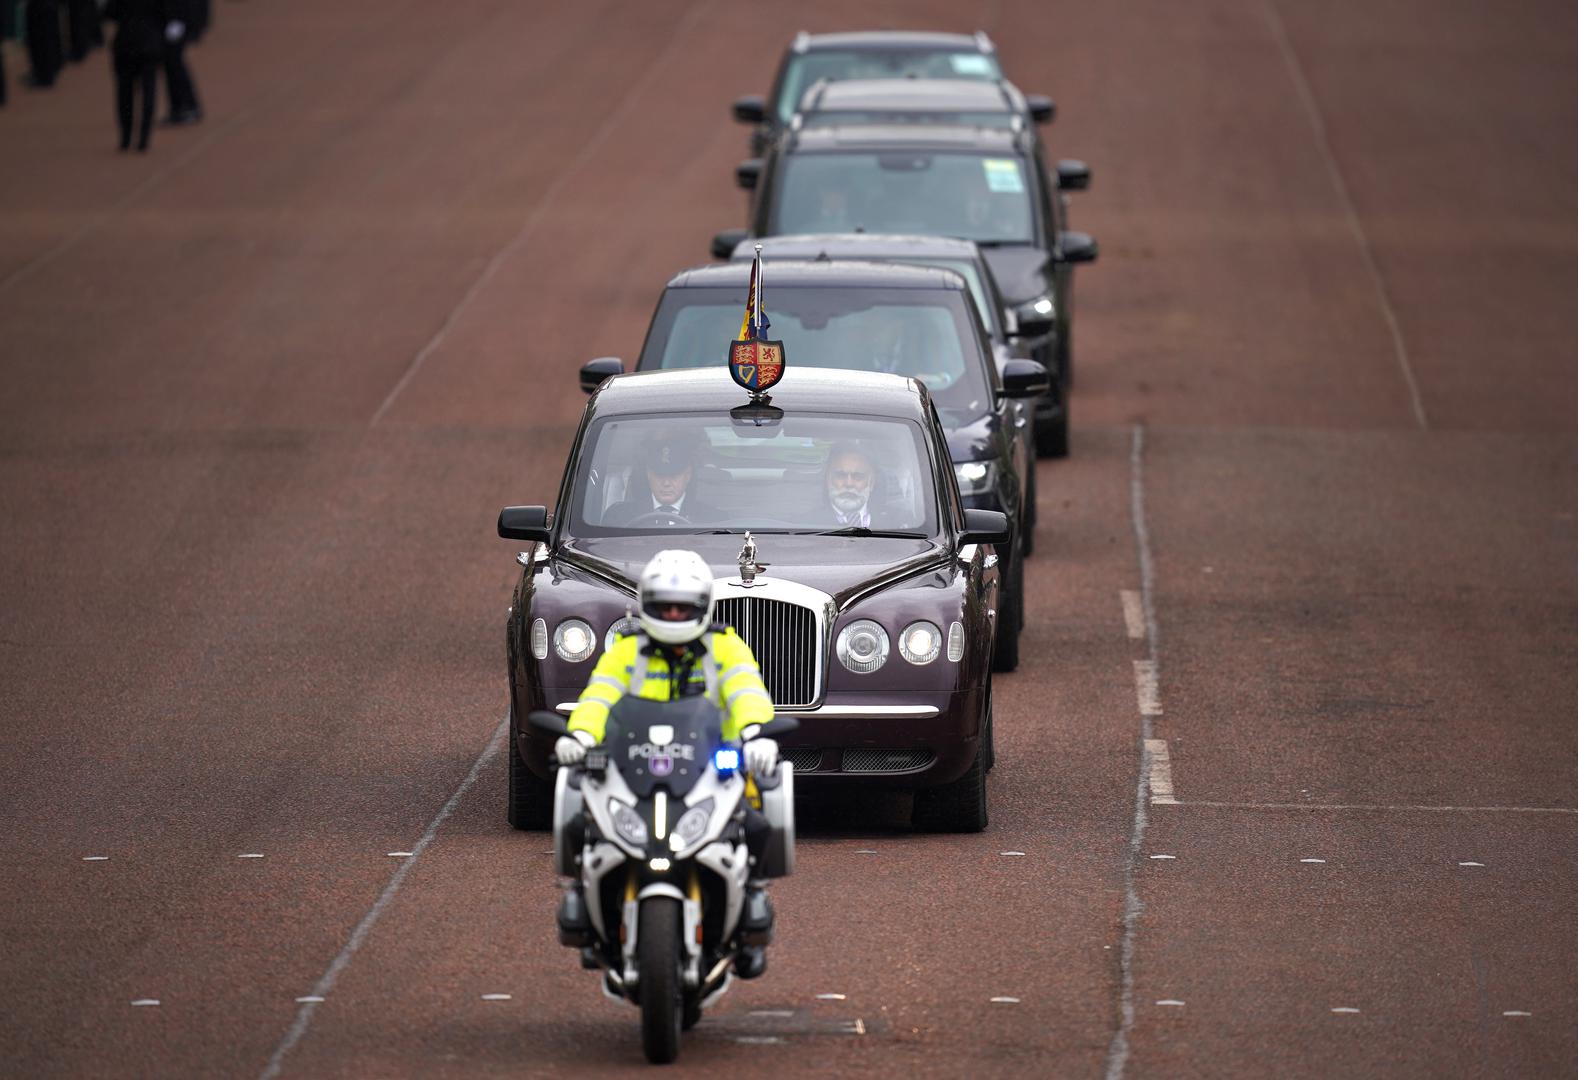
{"x":748,"y":327}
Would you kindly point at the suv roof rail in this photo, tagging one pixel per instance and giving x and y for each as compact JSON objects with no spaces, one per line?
{"x":984,"y":42}
{"x":802,"y":41}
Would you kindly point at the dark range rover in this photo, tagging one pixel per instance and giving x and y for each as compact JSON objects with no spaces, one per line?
{"x":988,"y":185}
{"x":877,"y":638}
{"x":916,"y":321}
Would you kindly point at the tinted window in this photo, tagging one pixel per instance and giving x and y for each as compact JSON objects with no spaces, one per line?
{"x":806,"y":68}
{"x":974,"y":196}
{"x":780,"y":478}
{"x":923,"y":333}
{"x":831,"y":118}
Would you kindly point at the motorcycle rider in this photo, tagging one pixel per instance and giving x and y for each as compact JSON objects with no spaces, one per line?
{"x":680,"y":652}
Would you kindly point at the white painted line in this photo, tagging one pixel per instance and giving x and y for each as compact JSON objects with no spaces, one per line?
{"x":304,"y":999}
{"x":758,"y":1040}
{"x":1394,"y":807}
{"x":1012,"y":854}
{"x":495,"y":997}
{"x":1145,"y":688}
{"x":1516,"y":1012}
{"x":1312,"y":860}
{"x":1173,"y":1002}
{"x":864,"y":851}
{"x":1318,"y":124}
{"x":398,"y":854}
{"x":250,"y":855}
{"x":1471,"y":864}
{"x":1164,"y":856}
{"x":1160,"y":773}
{"x":830,"y":997}
{"x":1344,"y":1009}
{"x":1005,"y":1001}
{"x":778,"y":1013}
{"x":331,"y":975}
{"x":95,"y":858}
{"x":858,"y":1027}
{"x":1133,"y":613}
{"x":141,"y":1002}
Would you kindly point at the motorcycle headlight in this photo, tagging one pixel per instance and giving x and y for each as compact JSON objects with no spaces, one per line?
{"x":975,"y":477}
{"x":691,"y":826}
{"x":863,"y":646}
{"x":621,"y":627}
{"x":920,"y":642}
{"x":573,"y":640}
{"x":628,"y":824}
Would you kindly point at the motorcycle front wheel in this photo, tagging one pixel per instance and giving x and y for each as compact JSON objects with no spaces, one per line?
{"x":662,"y":983}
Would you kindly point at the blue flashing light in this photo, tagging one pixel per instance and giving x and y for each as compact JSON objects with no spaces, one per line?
{"x":726,"y":759}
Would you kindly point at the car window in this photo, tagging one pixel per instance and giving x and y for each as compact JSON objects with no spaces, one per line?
{"x":971,"y":273}
{"x":923,"y":333}
{"x":975,"y":196}
{"x":834,"y":117}
{"x":806,"y":472}
{"x":803,"y":69}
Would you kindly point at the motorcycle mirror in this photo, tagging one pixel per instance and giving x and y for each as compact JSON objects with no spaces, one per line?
{"x":551,"y":722}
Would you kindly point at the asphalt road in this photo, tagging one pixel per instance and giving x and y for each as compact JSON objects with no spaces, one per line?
{"x":1312,"y":567}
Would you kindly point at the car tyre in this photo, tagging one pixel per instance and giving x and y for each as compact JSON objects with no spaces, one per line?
{"x":959,"y":807}
{"x":1052,"y":435}
{"x":530,"y":796}
{"x":991,"y":729}
{"x":1028,"y":512}
{"x":1010,"y":617}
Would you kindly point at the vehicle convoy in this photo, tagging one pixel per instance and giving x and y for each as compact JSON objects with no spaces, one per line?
{"x":843,"y":555}
{"x":919,"y":321}
{"x":882,"y":54}
{"x":650,"y":825}
{"x":984,"y":184}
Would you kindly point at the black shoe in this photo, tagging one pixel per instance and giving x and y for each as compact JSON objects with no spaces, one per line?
{"x":751,"y":963}
{"x":590,"y":961}
{"x":176,"y":119}
{"x":756,"y":921}
{"x":575,"y":924}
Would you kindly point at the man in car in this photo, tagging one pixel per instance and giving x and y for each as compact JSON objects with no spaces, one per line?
{"x":679,"y":652}
{"x":670,"y":466}
{"x":851,"y":482}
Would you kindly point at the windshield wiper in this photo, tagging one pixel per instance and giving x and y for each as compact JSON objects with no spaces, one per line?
{"x":865,"y":530}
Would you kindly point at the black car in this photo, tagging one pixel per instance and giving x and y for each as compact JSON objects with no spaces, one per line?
{"x":988,"y":185}
{"x":997,"y":104}
{"x":884,"y":54}
{"x":877,"y":638}
{"x":1008,"y":334}
{"x":906,"y":320}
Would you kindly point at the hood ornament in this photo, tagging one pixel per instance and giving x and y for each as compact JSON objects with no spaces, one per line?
{"x":749,"y":567}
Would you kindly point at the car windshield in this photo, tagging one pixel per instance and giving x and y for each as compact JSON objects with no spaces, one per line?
{"x":843,"y":117}
{"x":923,"y":333}
{"x":975,"y":196}
{"x":803,"y":69}
{"x":802,"y":473}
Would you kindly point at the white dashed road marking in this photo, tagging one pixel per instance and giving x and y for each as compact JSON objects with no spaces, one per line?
{"x":140,"y":1002}
{"x":1516,"y":1012}
{"x":1133,"y":613}
{"x":858,"y":1027}
{"x":1145,"y":689}
{"x":1160,"y":774}
{"x":1012,"y":854}
{"x":398,"y":854}
{"x":250,"y":855}
{"x":95,"y":858}
{"x":1312,"y":860}
{"x":830,"y":997}
{"x":1471,"y":864}
{"x":1344,"y":1009}
{"x":1174,"y":1002}
{"x":1164,"y":856}
{"x":1005,"y":1001}
{"x":309,"y":999}
{"x":495,"y":997}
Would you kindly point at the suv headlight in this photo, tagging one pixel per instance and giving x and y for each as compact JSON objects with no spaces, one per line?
{"x":573,"y":640}
{"x":863,"y":646}
{"x":975,"y":477}
{"x":920,"y":642}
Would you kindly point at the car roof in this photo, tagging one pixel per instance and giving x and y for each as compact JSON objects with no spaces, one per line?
{"x":847,"y":273}
{"x":812,"y":389}
{"x":915,"y":136}
{"x":894,"y":39}
{"x":900,"y":95}
{"x":859,"y":246}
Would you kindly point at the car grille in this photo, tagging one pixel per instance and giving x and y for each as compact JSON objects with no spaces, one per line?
{"x":803,"y":759}
{"x":885,"y":761}
{"x":783,"y":637}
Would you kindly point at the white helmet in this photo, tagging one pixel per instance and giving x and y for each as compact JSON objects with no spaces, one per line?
{"x":676,"y":579}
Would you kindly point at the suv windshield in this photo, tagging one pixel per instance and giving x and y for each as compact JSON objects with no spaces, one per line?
{"x":804,"y":473}
{"x":975,"y":196}
{"x":803,"y":69}
{"x":927,"y":334}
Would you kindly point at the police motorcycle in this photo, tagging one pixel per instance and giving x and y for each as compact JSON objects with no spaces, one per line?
{"x":650,"y":829}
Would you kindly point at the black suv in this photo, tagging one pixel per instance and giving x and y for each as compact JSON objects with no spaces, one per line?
{"x":916,"y":321}
{"x":988,"y":185}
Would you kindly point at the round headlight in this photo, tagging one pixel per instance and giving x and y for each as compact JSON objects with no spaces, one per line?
{"x":573,"y":640}
{"x":621,"y":627}
{"x":920,"y":642}
{"x":863,"y":646}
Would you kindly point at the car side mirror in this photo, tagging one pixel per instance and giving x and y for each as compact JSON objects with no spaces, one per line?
{"x":528,"y":523}
{"x":595,"y":372}
{"x":984,"y":527}
{"x":1035,"y":318}
{"x":1073,"y":175}
{"x":747,"y":172}
{"x":724,"y":243}
{"x":1077,"y":247}
{"x":1042,"y":108}
{"x":1025,"y":379}
{"x":549,"y":722}
{"x":750,"y":109}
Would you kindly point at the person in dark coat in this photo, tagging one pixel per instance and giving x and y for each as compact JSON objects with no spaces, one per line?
{"x":83,"y":31}
{"x":138,"y":50}
{"x":44,"y":47}
{"x":192,"y":15}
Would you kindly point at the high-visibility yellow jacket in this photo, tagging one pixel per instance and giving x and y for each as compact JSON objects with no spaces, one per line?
{"x":726,"y":673}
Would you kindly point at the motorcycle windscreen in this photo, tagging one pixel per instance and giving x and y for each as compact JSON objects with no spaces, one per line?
{"x":662,"y":742}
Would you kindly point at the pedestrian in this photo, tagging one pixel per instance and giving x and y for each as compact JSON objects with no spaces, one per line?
{"x":191,"y":16}
{"x":84,"y":33}
{"x":44,"y":48}
{"x":137,"y":51}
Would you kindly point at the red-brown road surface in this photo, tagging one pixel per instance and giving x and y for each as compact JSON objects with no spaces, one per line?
{"x":265,"y":388}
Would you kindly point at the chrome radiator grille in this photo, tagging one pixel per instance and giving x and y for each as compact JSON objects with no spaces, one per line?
{"x":783,"y":636}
